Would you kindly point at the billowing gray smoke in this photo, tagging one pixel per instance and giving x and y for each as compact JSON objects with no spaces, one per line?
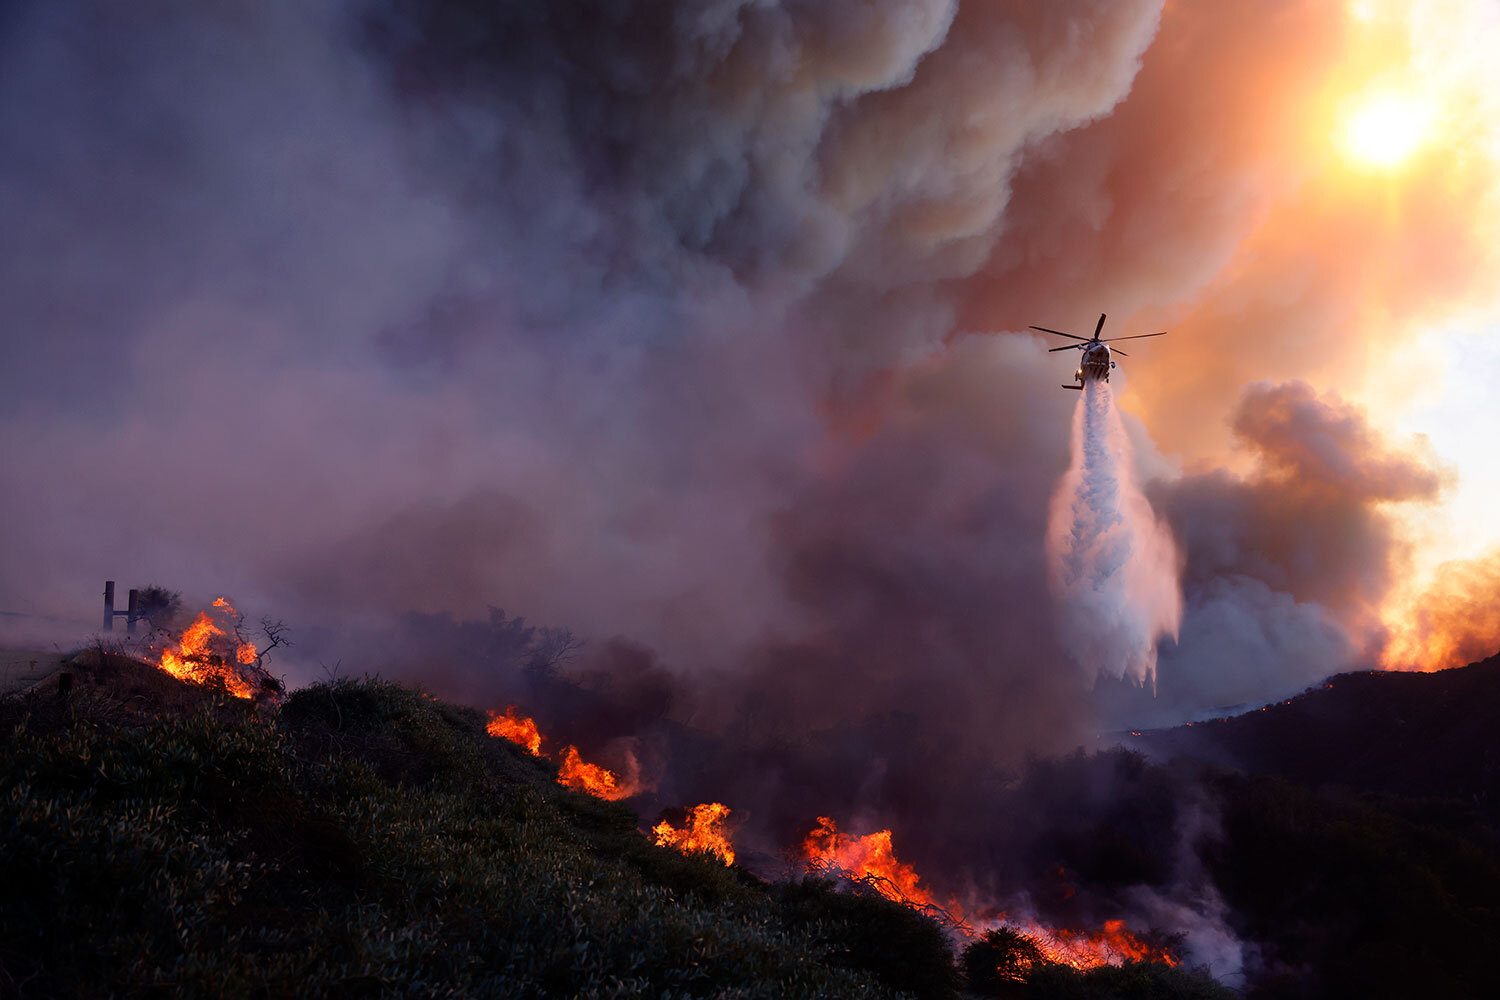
{"x":1114,"y":566}
{"x":637,"y":317}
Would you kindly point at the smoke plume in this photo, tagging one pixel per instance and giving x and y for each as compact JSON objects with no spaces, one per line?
{"x":1112,"y":564}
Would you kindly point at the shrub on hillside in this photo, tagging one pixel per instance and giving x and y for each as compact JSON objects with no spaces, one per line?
{"x":1131,"y":981}
{"x":863,"y":930}
{"x":373,"y":842}
{"x":999,"y":963}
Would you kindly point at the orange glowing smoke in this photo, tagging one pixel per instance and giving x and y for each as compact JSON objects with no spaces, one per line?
{"x":704,"y":832}
{"x":207,"y":653}
{"x":581,"y":776}
{"x":869,"y":857}
{"x":1114,"y":945}
{"x":517,"y":728}
{"x":1450,"y":622}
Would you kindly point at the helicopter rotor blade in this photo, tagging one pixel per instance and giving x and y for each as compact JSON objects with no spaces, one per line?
{"x":1116,"y":350}
{"x":1134,"y":336}
{"x":1058,"y":332}
{"x":1099,"y":327}
{"x":1065,"y":347}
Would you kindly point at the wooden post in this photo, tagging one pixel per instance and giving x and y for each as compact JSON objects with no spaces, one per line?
{"x":131,"y":614}
{"x":109,"y":605}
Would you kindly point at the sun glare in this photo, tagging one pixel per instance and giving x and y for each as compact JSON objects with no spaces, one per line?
{"x":1384,"y":130}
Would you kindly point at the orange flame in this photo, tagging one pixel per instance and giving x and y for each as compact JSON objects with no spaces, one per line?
{"x":704,"y":832}
{"x":581,"y":776}
{"x":195,"y":660}
{"x":1113,"y":945}
{"x":517,"y":728}
{"x":869,"y":857}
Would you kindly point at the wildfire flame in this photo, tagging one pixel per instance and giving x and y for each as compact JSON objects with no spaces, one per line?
{"x":517,"y":728}
{"x":704,"y":832}
{"x":870,"y":857}
{"x":578,"y":774}
{"x":197,"y":660}
{"x":873,"y":859}
{"x":1078,"y":949}
{"x":574,"y":772}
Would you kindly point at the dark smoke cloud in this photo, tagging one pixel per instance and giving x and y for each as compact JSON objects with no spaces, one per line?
{"x":430,"y":307}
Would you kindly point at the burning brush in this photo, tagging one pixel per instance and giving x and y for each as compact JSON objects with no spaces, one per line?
{"x":517,"y":728}
{"x":573,"y":772}
{"x":702,"y":832}
{"x":869,"y":860}
{"x":213,"y":651}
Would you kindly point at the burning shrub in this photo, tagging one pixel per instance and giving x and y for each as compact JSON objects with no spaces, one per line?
{"x":1007,"y":963}
{"x":578,"y":774}
{"x":871,"y":858}
{"x":702,"y":832}
{"x":519,"y":729}
{"x":214,"y":652}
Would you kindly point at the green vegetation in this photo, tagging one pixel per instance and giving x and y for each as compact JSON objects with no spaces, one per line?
{"x":372,"y":841}
{"x":366,"y":839}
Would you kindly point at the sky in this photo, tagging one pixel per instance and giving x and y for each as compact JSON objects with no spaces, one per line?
{"x":700,"y":329}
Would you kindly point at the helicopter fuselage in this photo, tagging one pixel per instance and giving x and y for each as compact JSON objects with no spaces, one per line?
{"x":1094,"y":364}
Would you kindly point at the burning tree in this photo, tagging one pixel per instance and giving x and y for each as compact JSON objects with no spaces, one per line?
{"x":214,"y":650}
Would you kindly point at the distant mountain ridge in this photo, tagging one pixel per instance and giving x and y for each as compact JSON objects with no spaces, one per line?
{"x":1388,"y":733}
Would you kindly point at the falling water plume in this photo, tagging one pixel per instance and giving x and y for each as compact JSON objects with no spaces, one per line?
{"x":1112,"y":563}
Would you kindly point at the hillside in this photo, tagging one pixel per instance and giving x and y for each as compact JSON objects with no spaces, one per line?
{"x":1427,"y":740}
{"x":369,"y":840}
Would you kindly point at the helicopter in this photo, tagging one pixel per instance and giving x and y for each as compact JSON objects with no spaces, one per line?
{"x":1095,"y":362}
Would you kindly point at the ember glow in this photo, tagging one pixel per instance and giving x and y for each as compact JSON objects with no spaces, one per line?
{"x":207,"y":653}
{"x":517,"y":728}
{"x":703,"y":832}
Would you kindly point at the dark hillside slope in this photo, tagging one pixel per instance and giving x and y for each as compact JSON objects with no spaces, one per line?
{"x":369,"y":840}
{"x":1415,"y":736}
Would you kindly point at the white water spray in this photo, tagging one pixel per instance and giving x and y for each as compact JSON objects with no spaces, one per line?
{"x":1112,"y":562}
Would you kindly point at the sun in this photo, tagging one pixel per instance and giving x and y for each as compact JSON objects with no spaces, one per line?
{"x":1385,"y":129}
